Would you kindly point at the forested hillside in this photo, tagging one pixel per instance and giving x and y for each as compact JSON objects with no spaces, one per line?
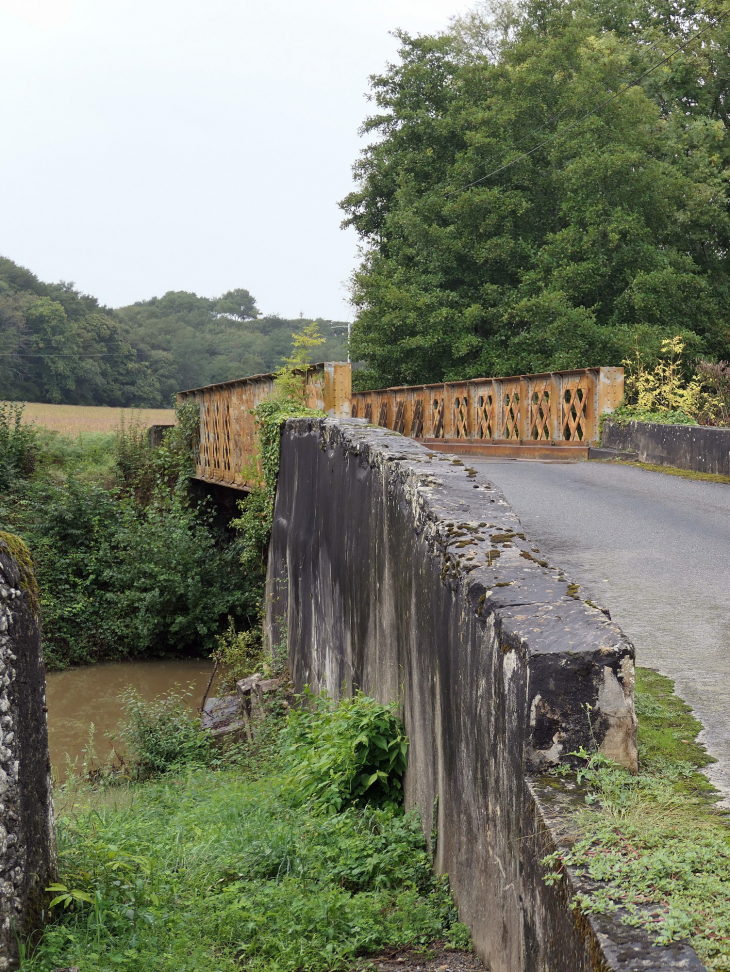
{"x":546,"y":188}
{"x":59,"y":345}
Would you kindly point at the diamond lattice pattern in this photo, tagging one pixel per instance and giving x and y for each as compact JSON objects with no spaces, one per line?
{"x":575,"y":400}
{"x":461,"y":417}
{"x":540,"y":412}
{"x":511,"y":412}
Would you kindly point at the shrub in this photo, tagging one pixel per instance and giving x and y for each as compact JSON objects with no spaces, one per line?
{"x":18,"y":446}
{"x":715,"y":408}
{"x":240,"y":653}
{"x":346,"y":754}
{"x":664,"y":388}
{"x":160,"y":735}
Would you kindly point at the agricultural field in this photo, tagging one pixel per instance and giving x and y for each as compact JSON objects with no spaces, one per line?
{"x":74,"y":419}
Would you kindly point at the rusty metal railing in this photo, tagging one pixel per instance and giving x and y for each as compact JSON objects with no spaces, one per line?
{"x":548,"y":410}
{"x":229,"y":453}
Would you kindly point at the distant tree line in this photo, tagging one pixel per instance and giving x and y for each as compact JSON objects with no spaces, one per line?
{"x":59,"y":345}
{"x":525,"y":206}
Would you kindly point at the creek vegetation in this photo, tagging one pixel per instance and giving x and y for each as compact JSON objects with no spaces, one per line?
{"x":289,"y":853}
{"x":130,"y":561}
{"x":656,"y":841}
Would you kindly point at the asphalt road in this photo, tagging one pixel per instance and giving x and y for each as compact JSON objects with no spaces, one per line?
{"x":655,"y":550}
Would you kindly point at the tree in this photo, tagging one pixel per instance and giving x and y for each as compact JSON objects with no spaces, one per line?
{"x":238,"y":304}
{"x":502,"y":235}
{"x":59,"y":345}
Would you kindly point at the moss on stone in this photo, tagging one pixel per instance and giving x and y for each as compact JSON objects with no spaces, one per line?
{"x":12,"y":546}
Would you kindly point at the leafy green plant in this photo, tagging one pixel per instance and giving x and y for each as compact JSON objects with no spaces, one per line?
{"x":663,"y":388}
{"x":715,"y":407}
{"x":18,"y":445}
{"x":291,"y":379}
{"x":68,"y":896}
{"x":257,"y":509}
{"x":240,"y":653}
{"x":160,"y":735}
{"x":345,"y":754}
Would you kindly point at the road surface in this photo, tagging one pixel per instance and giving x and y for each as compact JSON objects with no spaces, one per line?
{"x":655,"y":550}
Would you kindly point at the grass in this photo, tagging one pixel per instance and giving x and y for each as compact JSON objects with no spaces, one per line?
{"x":682,"y":473}
{"x":228,"y":868}
{"x":75,"y":419}
{"x":656,"y":840}
{"x":90,"y":456}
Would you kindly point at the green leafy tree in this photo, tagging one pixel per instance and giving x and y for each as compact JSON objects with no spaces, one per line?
{"x":291,"y":378}
{"x":59,"y":345}
{"x":238,"y":304}
{"x":486,"y":254}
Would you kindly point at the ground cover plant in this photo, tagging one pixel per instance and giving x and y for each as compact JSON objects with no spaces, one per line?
{"x":245,"y":866}
{"x":656,"y":840}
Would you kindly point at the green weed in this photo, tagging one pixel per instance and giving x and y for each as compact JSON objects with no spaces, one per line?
{"x":655,"y":839}
{"x":346,"y":754}
{"x":239,"y":868}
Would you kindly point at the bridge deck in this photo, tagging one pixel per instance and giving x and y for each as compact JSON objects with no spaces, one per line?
{"x":655,"y":550}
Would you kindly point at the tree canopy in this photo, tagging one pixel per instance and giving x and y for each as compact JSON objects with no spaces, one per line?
{"x":504,"y":233}
{"x":59,"y":345}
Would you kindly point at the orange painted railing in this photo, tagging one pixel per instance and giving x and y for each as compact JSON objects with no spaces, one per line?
{"x":229,"y":453}
{"x":560,"y":407}
{"x":528,"y":415}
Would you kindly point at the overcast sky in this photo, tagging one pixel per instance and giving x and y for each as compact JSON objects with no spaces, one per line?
{"x":154,"y":145}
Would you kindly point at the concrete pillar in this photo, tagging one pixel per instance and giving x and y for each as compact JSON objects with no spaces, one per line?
{"x":27,"y":841}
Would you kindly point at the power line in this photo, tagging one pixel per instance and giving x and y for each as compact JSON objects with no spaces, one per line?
{"x":567,"y":128}
{"x":63,"y":354}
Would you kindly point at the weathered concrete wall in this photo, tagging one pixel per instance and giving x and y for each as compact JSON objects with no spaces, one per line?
{"x":695,"y":447}
{"x":398,"y":571}
{"x":27,"y":842}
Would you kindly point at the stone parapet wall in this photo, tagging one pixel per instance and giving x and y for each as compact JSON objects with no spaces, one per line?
{"x":27,"y":842}
{"x":402,"y":573}
{"x":695,"y":447}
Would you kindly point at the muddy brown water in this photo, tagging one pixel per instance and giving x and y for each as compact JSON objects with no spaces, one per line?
{"x":78,"y":698}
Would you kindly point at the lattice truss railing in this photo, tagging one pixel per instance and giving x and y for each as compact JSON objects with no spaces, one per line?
{"x":229,"y":448}
{"x":559,"y":407}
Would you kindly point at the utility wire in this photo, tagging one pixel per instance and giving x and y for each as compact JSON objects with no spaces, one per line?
{"x":64,"y":354}
{"x":555,"y":118}
{"x":567,"y":128}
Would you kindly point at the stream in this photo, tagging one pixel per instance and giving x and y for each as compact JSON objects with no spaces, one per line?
{"x":78,"y":698}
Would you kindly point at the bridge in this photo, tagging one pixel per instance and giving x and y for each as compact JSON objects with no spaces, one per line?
{"x":550,"y":416}
{"x":400,"y":566}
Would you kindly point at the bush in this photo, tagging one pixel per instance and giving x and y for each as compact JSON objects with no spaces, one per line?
{"x":160,"y":735}
{"x":240,"y":654}
{"x":716,"y":405}
{"x":18,"y":446}
{"x":346,"y":754}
